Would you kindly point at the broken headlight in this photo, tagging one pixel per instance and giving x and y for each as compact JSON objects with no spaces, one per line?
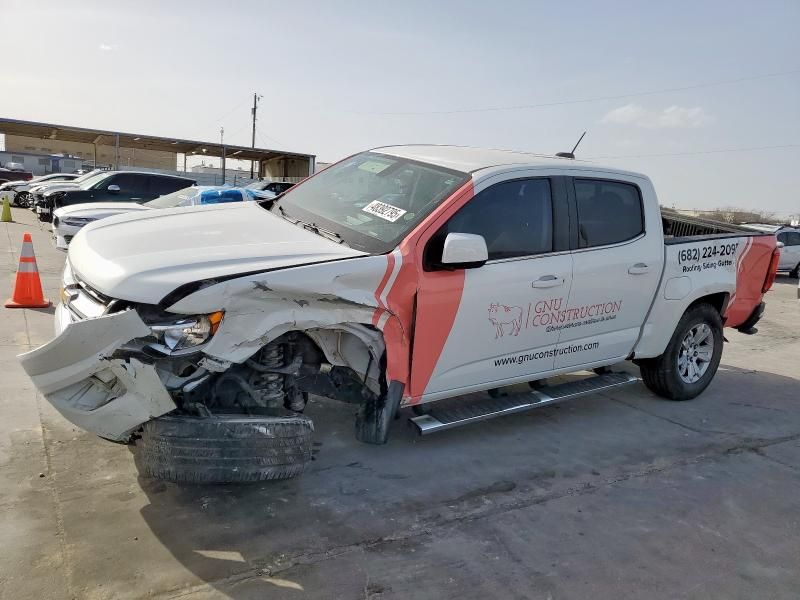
{"x":188,"y":331}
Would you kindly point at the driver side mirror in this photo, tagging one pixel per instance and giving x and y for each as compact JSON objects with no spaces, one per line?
{"x":464,"y":251}
{"x":114,"y":189}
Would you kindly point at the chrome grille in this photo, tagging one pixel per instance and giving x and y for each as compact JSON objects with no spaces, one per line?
{"x":83,"y":301}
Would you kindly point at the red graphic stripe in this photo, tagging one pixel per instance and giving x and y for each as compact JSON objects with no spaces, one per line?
{"x":379,"y":290}
{"x":751,"y":270}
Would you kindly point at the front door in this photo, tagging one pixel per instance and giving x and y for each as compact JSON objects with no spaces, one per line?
{"x":486,"y":321}
{"x":616,"y":270}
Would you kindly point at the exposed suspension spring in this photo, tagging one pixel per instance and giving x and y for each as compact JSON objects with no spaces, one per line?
{"x":270,"y":385}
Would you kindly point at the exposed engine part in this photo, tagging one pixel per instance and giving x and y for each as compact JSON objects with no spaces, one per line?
{"x":291,"y":369}
{"x":278,"y":377}
{"x":337,"y":383}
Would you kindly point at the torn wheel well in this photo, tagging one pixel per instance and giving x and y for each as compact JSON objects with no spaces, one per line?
{"x":345,"y":363}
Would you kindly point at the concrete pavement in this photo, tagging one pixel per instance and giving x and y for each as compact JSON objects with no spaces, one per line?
{"x":614,"y":495}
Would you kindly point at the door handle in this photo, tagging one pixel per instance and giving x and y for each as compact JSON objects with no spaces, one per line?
{"x":639,"y":269}
{"x":548,"y":281}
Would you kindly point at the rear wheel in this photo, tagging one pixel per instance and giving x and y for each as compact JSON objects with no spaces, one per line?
{"x":795,"y":272}
{"x":691,"y":358}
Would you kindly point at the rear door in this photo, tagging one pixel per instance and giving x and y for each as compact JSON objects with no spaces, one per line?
{"x":160,"y":186}
{"x":616,"y":270}
{"x":495,"y":335}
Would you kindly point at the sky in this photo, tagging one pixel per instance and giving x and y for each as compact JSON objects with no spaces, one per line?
{"x":702,"y":96}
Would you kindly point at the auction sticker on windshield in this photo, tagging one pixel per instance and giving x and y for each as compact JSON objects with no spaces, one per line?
{"x":385,"y":211}
{"x":374,"y":166}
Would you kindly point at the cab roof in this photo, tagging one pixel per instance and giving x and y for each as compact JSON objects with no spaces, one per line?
{"x":469,"y":159}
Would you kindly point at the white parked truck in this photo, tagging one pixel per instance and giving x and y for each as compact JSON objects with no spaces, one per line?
{"x":398,"y":277}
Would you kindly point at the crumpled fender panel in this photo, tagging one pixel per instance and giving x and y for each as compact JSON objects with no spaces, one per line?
{"x":261,"y":307}
{"x":76,"y":374}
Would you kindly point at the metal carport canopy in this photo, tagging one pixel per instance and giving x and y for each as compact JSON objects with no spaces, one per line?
{"x":140,"y":141}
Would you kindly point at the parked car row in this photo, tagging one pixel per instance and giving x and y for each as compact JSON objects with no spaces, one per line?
{"x":21,"y":190}
{"x":107,"y":186}
{"x":123,"y":186}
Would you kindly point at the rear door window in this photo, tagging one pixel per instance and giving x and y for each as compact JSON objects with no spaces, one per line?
{"x":166,"y":185}
{"x":789,"y":238}
{"x":609,"y":212}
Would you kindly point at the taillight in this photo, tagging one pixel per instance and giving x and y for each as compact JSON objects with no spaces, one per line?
{"x":772,"y":271}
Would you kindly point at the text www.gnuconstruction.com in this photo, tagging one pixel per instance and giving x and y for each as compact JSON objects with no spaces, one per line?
{"x":552,"y":352}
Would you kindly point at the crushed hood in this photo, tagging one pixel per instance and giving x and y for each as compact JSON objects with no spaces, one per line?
{"x":145,"y":255}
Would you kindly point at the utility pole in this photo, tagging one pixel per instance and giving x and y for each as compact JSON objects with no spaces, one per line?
{"x":254,"y":110}
{"x":222,"y":143}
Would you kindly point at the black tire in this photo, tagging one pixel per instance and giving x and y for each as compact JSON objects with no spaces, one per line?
{"x":795,"y":272}
{"x":224,"y":448}
{"x":661,"y":374}
{"x":376,"y":414}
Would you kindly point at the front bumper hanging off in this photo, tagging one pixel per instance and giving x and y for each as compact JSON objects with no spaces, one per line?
{"x":78,"y":375}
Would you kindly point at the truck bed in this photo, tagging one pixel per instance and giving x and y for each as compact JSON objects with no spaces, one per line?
{"x":678,"y":225}
{"x":728,"y":268}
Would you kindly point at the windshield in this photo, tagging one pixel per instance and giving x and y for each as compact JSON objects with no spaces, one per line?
{"x":370,"y":200}
{"x":86,"y":184}
{"x":85,"y":176}
{"x":184,"y":197}
{"x":257,"y":185}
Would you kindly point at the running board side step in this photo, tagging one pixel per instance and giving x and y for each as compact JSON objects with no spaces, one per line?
{"x":456,"y":415}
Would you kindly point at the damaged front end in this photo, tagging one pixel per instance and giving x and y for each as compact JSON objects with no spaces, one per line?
{"x":116,"y":365}
{"x":84,"y":374}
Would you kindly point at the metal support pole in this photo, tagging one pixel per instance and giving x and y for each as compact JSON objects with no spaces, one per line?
{"x":116,"y":151}
{"x":222,"y":141}
{"x":184,"y":162}
{"x":253,"y":144}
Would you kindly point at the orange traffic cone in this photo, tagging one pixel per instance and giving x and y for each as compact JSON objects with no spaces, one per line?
{"x":28,"y":287}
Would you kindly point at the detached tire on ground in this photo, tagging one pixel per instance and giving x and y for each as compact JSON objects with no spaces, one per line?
{"x":691,"y":358}
{"x":224,"y":448}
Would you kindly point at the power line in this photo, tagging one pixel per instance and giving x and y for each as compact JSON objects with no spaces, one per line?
{"x":718,"y":151}
{"x":586,"y":100}
{"x":230,"y":111}
{"x":260,"y":134}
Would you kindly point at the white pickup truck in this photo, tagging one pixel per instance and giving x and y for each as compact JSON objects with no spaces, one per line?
{"x":398,"y":277}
